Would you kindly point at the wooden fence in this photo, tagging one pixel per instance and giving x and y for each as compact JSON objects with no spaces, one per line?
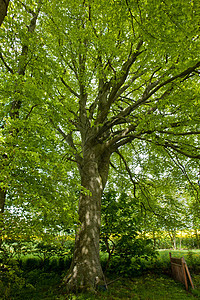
{"x":180,"y":271}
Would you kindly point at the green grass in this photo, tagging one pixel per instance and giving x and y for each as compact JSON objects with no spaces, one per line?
{"x":150,"y":286}
{"x":155,"y":283}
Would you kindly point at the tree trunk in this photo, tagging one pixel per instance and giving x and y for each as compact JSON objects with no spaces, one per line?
{"x":2,"y":200}
{"x":86,"y":271}
{"x":197,"y":238}
{"x":2,"y":205}
{"x":174,"y":240}
{"x":154,"y":240}
{"x":3,"y":9}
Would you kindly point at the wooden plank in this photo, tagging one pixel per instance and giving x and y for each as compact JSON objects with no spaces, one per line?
{"x":180,"y":271}
{"x":188,"y":274}
{"x":184,"y":274}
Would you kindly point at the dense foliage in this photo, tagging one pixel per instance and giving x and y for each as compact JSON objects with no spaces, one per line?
{"x":99,"y":98}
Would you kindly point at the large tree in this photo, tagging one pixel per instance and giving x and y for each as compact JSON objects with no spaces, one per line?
{"x":121,"y":72}
{"x":128,"y":73}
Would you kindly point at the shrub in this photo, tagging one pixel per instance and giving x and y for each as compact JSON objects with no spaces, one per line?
{"x":11,"y":279}
{"x":130,"y":255}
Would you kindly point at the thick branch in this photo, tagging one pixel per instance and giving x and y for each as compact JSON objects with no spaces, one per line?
{"x":31,"y":28}
{"x":117,"y":84}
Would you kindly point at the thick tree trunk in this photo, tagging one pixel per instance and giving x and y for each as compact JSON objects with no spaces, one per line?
{"x":85,"y":271}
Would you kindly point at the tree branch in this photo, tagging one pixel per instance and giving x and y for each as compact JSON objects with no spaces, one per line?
{"x":69,"y":88}
{"x":5,"y":64}
{"x":181,"y":167}
{"x":128,"y":171}
{"x":103,"y":108}
{"x":68,"y":138}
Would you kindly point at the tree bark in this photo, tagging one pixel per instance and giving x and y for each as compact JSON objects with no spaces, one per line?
{"x":2,"y":205}
{"x":3,"y":9}
{"x":2,"y":200}
{"x":86,"y":271}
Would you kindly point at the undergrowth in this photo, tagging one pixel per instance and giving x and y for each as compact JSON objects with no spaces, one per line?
{"x":28,"y":279}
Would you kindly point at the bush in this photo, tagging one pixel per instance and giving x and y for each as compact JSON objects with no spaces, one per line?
{"x":130,"y":255}
{"x":11,"y":279}
{"x":31,"y":263}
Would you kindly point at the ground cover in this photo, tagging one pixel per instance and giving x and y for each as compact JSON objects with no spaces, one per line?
{"x":154,"y":283}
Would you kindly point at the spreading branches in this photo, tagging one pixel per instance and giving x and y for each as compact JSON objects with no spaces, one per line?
{"x":69,"y":139}
{"x":187,"y":150}
{"x":183,"y":74}
{"x":181,"y":150}
{"x":116,"y":84}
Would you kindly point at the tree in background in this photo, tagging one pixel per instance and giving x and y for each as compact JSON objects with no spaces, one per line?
{"x":33,"y":173}
{"x":108,"y":74}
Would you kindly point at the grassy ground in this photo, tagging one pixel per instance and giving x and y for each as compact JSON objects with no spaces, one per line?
{"x":147,"y":287}
{"x":154,"y":283}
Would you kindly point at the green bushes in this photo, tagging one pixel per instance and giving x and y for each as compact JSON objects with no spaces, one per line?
{"x":39,"y":262}
{"x":130,"y":256}
{"x":120,"y":236}
{"x":10,"y":279}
